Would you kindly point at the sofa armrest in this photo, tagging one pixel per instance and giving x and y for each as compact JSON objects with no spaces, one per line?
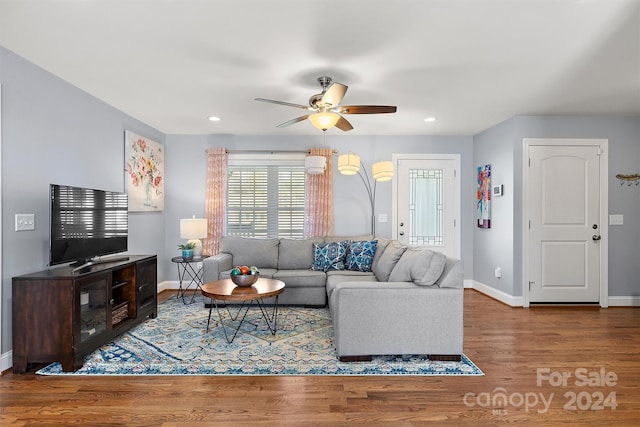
{"x":396,"y":318}
{"x":214,"y":265}
{"x":453,"y":274}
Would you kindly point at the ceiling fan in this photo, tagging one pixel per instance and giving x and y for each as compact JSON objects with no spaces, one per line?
{"x":326,"y":107}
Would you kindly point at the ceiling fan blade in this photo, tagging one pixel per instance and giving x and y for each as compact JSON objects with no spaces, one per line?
{"x":334,"y":94}
{"x":343,"y":124}
{"x":288,"y":104}
{"x":293,"y":121}
{"x":367,"y":109}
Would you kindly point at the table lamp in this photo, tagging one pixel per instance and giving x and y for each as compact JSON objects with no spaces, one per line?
{"x":193,"y":229}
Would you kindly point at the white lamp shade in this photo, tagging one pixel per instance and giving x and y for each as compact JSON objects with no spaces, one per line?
{"x":324,"y":121}
{"x":382,"y":171}
{"x":315,"y":165}
{"x":193,"y":228}
{"x":349,"y":164}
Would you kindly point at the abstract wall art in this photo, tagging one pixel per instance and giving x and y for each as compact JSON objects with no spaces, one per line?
{"x":484,"y":197}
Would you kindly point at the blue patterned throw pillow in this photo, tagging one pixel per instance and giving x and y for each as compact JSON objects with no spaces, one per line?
{"x":329,"y":256}
{"x":360,"y":255}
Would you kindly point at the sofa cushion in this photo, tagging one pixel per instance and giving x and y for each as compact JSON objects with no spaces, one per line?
{"x":388,"y":260}
{"x":329,"y":256}
{"x":296,"y":254}
{"x":263,"y":253}
{"x":420,"y":266}
{"x":301,"y":278}
{"x":334,"y":278}
{"x":360,"y":255}
{"x":380,"y":247}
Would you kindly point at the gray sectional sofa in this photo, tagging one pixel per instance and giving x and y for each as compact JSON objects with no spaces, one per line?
{"x":410,"y":302}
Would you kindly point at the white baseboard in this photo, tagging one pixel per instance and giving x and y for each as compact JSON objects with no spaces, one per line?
{"x":168,"y":284}
{"x":6,"y":361}
{"x":494,"y":293}
{"x":631,"y":301}
{"x":618,"y":301}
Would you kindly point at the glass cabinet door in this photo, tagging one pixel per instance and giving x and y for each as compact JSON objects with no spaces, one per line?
{"x":93,"y":299}
{"x":146,"y":283}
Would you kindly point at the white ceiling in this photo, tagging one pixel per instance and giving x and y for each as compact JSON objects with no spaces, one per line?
{"x":471,"y":64}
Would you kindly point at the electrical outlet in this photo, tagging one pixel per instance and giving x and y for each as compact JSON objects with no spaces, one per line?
{"x":382,"y":218}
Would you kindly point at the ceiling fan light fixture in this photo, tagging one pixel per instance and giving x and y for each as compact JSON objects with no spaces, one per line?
{"x":349,"y":164}
{"x":324,"y":121}
{"x":382,"y":171}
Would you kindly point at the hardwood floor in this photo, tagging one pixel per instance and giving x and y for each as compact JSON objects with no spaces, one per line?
{"x":543,"y":365}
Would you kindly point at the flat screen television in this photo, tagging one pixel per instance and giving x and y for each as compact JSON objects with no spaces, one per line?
{"x":85,"y":224}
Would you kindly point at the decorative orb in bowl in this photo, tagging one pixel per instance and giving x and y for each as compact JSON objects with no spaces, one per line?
{"x":244,"y":280}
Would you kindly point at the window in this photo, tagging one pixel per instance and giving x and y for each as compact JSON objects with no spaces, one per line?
{"x":265,"y":196}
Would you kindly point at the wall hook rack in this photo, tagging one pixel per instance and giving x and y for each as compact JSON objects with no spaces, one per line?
{"x":629,"y":179}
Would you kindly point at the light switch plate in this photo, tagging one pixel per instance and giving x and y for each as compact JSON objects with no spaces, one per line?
{"x":616,"y":219}
{"x":25,"y":222}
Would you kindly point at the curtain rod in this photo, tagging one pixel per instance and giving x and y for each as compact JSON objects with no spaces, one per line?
{"x":271,"y":151}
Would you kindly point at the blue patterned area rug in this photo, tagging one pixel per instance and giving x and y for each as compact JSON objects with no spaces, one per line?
{"x":176,"y":343}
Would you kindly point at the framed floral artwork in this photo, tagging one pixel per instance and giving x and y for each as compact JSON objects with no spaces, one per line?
{"x":144,"y":166}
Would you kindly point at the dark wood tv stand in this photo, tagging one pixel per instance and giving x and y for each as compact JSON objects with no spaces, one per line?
{"x":61,"y":316}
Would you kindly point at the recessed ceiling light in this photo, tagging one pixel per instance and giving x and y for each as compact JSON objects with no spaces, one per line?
{"x":430,"y":119}
{"x":214,"y":118}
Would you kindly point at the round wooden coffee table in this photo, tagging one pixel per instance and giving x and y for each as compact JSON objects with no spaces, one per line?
{"x":227,"y":291}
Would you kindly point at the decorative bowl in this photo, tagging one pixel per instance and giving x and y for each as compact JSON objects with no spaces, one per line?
{"x":244,"y":280}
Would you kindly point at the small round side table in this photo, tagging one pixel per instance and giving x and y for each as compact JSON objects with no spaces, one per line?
{"x":188,"y":270}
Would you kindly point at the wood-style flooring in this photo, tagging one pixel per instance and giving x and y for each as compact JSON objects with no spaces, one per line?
{"x":544,"y":366}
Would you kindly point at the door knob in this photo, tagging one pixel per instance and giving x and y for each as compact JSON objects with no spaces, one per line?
{"x":401,"y":233}
{"x":596,"y":237}
{"x":402,"y":224}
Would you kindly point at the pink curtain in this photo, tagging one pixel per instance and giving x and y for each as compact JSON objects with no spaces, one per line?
{"x":215,"y":211}
{"x":319,"y":215}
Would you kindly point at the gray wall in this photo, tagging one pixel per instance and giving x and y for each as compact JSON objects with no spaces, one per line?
{"x":186,"y":164}
{"x":623,"y":134}
{"x":493,"y":247}
{"x":53,"y":132}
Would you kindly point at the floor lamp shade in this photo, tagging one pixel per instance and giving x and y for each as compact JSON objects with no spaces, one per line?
{"x":382,"y":171}
{"x":349,"y":164}
{"x":194,"y":229}
{"x":315,"y":165}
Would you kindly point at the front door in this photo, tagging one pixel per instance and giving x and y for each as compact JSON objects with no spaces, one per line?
{"x":565,"y":228}
{"x":427,"y":197}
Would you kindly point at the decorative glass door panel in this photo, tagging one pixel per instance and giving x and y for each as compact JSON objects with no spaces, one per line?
{"x":427,"y":202}
{"x":425,"y":207}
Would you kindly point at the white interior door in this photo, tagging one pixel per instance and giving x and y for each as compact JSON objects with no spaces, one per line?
{"x":2,"y":367}
{"x":426,"y":209}
{"x":565,"y":229}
